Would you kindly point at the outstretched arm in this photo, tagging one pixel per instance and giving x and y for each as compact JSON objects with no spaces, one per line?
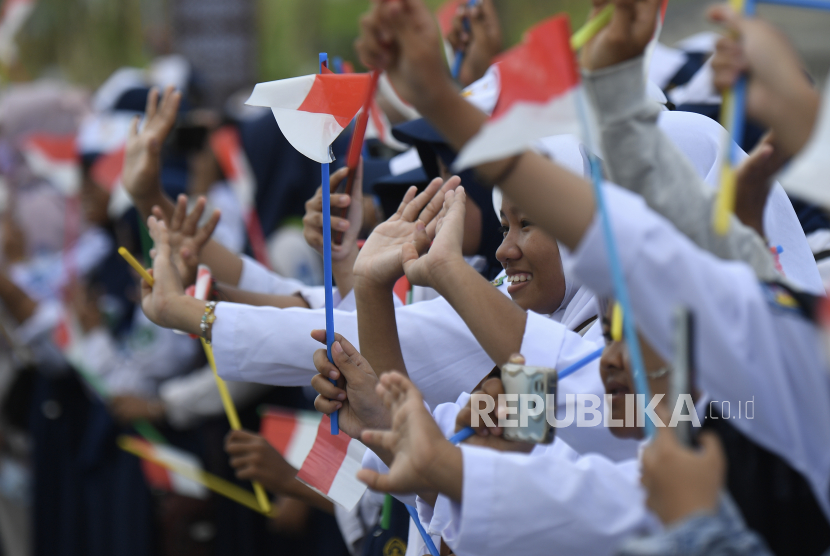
{"x":142,"y":176}
{"x":380,"y":264}
{"x":639,"y":156}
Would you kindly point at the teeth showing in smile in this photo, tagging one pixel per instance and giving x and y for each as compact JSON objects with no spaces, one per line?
{"x":516,"y":278}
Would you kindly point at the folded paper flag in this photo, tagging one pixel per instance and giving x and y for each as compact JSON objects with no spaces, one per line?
{"x":55,"y":159}
{"x":538,"y":93}
{"x":162,"y":478}
{"x":327,"y":463}
{"x":313,"y":110}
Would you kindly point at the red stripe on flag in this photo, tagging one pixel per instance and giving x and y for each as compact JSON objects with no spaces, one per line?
{"x":56,"y":147}
{"x":340,"y":95}
{"x":445,"y":15}
{"x":325,"y":458}
{"x":107,"y":169}
{"x":157,"y":476}
{"x":277,"y":428}
{"x":225,"y":143}
{"x":542,"y":67}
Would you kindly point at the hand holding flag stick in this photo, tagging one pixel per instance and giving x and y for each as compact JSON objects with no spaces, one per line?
{"x":227,"y":401}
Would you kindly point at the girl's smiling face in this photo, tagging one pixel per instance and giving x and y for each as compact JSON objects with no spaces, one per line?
{"x":532,"y":262}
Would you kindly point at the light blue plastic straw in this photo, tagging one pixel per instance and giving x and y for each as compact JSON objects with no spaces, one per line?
{"x":335,"y":422}
{"x":459,"y":56}
{"x":427,"y":539}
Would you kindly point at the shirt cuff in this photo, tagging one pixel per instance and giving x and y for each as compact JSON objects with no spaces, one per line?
{"x":257,"y":278}
{"x":470,"y":521}
{"x":542,"y":340}
{"x":616,"y":91}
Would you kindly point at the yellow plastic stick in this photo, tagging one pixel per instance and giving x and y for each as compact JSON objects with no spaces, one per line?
{"x":214,"y":483}
{"x":592,"y":27}
{"x":233,"y":418}
{"x":136,"y":265}
{"x":725,"y":201}
{"x":617,"y":323}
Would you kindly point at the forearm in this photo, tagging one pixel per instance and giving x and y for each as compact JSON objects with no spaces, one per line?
{"x":793,"y":118}
{"x":497,"y":323}
{"x":19,"y":305}
{"x":641,"y":158}
{"x":235,"y":295}
{"x":343,"y":273}
{"x":377,"y":327}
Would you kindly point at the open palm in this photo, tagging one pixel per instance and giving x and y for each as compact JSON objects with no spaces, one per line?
{"x":380,"y":260}
{"x":142,"y":158}
{"x":445,"y":250}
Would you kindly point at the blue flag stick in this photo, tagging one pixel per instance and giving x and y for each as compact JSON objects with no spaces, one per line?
{"x":459,"y":56}
{"x":810,"y":4}
{"x":617,"y":276}
{"x":335,"y":422}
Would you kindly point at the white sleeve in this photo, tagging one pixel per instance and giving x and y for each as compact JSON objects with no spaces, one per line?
{"x":191,"y":398}
{"x":555,"y":502}
{"x":747,"y":346}
{"x":257,"y":278}
{"x":274,"y":346}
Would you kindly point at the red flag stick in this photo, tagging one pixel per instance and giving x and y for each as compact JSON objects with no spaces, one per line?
{"x":357,"y":145}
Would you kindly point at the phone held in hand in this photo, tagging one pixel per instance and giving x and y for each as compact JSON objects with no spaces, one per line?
{"x":527,"y":391}
{"x":682,"y":375}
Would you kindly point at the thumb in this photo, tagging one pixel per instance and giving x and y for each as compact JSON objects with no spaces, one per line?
{"x":374,"y":480}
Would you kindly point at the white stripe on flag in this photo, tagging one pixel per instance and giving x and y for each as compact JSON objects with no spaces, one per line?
{"x":311,"y":133}
{"x":346,"y":490}
{"x":285,"y":93}
{"x":182,"y":485}
{"x":305,"y":433}
{"x":515,"y":131}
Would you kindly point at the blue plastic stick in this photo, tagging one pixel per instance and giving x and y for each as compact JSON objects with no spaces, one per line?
{"x":467,"y":432}
{"x":579,"y":364}
{"x":617,"y":276}
{"x":811,"y":4}
{"x":335,"y":422}
{"x":427,"y":539}
{"x":459,"y":56}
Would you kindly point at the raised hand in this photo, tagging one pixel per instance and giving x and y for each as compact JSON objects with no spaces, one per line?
{"x":187,"y":238}
{"x":631,"y":28}
{"x":681,"y":481}
{"x":424,"y":461}
{"x":380,"y":262}
{"x":481,"y":44}
{"x":313,"y":219}
{"x":402,"y":38}
{"x":156,"y":300}
{"x":354,"y":394}
{"x":778,"y":93}
{"x":254,"y":459}
{"x":754,"y":179}
{"x":141,"y":175}
{"x":446,"y":248}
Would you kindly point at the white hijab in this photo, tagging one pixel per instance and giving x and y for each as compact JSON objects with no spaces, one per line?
{"x":700,"y":139}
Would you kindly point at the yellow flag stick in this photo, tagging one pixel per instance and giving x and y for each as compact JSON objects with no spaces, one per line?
{"x":592,"y":27}
{"x":233,"y":418}
{"x":732,"y":119}
{"x":617,"y":322}
{"x":136,"y":265}
{"x":227,"y":401}
{"x":209,"y":480}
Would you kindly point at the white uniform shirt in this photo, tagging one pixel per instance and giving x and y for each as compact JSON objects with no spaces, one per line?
{"x":747,"y":347}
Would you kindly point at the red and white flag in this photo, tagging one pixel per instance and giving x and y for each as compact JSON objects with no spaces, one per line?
{"x":313,"y":110}
{"x":327,"y":463}
{"x":55,"y":159}
{"x":808,"y":175}
{"x":538,"y":96}
{"x":162,"y":478}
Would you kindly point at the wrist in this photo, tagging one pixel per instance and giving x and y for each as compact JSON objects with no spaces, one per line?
{"x":446,"y":470}
{"x":365,"y":285}
{"x":184,"y":313}
{"x":445,"y":275}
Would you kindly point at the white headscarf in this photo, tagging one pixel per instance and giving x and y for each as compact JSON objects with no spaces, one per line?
{"x":700,"y":139}
{"x":579,"y":303}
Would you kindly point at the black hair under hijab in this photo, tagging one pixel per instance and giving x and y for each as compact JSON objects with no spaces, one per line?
{"x":431,"y":146}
